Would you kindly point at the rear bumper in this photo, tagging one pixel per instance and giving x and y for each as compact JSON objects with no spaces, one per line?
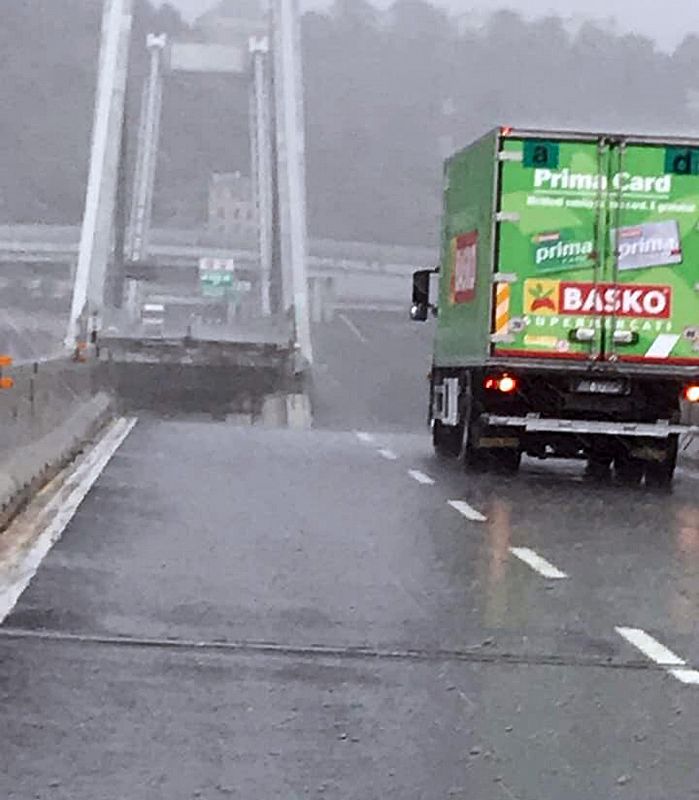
{"x":535,"y":424}
{"x":646,"y":368}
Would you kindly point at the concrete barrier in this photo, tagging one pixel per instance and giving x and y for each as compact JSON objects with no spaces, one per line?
{"x":54,"y":407}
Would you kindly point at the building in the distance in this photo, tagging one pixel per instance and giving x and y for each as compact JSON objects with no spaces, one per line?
{"x":231,"y":206}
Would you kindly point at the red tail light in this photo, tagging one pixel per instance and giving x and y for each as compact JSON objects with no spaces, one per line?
{"x":507,"y":384}
{"x":691,"y":393}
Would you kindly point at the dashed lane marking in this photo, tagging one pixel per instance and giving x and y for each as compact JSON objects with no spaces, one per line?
{"x":660,"y":655}
{"x":420,"y":477}
{"x":467,"y":511}
{"x":389,"y":455}
{"x":58,"y":512}
{"x":651,"y":647}
{"x":355,"y":330}
{"x":367,"y":438}
{"x":688,"y":676}
{"x":532,"y":559}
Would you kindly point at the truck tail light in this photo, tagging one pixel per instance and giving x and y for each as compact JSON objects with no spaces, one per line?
{"x":507,"y":384}
{"x":691,"y":393}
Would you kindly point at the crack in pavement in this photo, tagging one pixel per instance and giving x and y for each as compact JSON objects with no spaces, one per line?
{"x":493,"y":657}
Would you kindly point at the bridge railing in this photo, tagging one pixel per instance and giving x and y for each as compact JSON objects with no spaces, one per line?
{"x":46,"y":413}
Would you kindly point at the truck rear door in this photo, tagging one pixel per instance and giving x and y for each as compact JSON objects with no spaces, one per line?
{"x":597,"y":250}
{"x":550,"y":247}
{"x":653,"y":255}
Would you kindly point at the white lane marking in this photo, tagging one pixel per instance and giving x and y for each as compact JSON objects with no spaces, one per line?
{"x":688,"y":676}
{"x":651,"y":647}
{"x":420,"y":477}
{"x":355,"y":330}
{"x":468,"y":511}
{"x":532,"y":559}
{"x":367,"y":438}
{"x":389,"y":455}
{"x":60,"y":510}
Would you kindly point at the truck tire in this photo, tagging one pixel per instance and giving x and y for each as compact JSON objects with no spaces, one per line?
{"x":483,"y":459}
{"x":474,"y":459}
{"x":659,"y":474}
{"x":447,"y":440}
{"x":628,"y":470}
{"x":598,"y":466}
{"x":507,"y":461}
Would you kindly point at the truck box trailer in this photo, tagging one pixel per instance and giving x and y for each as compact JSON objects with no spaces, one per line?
{"x":568,"y":308}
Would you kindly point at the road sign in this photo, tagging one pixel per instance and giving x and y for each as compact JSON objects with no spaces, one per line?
{"x":216,"y":284}
{"x":217,"y":278}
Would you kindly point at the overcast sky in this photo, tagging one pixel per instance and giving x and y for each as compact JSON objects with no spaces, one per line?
{"x":667,"y":22}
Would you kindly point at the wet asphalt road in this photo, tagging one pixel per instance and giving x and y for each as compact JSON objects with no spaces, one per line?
{"x":251,"y":613}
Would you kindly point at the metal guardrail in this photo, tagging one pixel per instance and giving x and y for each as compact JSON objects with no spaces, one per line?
{"x":32,"y":335}
{"x":44,"y":394}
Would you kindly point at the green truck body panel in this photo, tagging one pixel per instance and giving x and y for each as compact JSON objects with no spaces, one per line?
{"x":469,"y":195}
{"x":596,"y":237}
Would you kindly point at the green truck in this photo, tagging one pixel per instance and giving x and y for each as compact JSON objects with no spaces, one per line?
{"x":568,"y":309}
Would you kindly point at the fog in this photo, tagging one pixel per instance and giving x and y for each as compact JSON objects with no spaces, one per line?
{"x":666,"y":23}
{"x":388,"y":96}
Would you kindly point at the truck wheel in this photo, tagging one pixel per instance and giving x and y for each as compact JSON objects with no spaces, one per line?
{"x":473,"y":458}
{"x":598,"y":465}
{"x":659,"y":474}
{"x":447,"y":440}
{"x":506,"y":461}
{"x":628,"y":470}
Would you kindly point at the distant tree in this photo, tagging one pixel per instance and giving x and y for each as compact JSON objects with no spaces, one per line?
{"x":384,"y":90}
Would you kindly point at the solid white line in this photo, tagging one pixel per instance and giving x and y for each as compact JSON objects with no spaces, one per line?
{"x":61,"y":509}
{"x":537,"y":563}
{"x":420,"y":477}
{"x":355,"y":330}
{"x":651,"y":647}
{"x":389,"y":455}
{"x":367,"y":438}
{"x":468,"y":511}
{"x":688,"y":676}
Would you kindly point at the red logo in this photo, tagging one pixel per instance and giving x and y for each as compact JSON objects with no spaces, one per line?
{"x":465,"y":261}
{"x":607,"y":299}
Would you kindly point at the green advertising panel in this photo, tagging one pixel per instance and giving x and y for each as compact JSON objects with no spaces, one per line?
{"x":598,"y":251}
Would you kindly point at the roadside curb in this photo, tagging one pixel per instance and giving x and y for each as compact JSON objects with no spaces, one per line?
{"x":30,"y":467}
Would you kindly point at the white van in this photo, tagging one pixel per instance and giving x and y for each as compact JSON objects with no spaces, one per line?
{"x":153,"y":319}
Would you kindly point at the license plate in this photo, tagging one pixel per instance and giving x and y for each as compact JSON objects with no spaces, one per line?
{"x":593,"y":386}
